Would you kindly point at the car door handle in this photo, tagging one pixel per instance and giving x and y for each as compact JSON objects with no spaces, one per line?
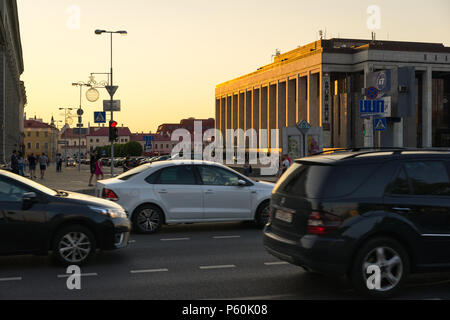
{"x":163,"y":191}
{"x":399,"y":209}
{"x":209,"y":191}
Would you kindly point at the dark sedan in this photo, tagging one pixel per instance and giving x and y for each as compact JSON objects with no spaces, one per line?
{"x":37,"y":220}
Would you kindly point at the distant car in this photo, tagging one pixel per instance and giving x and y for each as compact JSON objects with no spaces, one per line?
{"x":71,"y":162}
{"x":343,"y":213}
{"x":166,"y":192}
{"x":35,"y":220}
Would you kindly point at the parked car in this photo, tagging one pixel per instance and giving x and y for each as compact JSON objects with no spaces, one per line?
{"x":36,"y":220}
{"x":342,"y":213}
{"x":166,"y":192}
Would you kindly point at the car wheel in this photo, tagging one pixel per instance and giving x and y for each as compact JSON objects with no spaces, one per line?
{"x":147,"y":219}
{"x":262,"y":214}
{"x":380,"y":268}
{"x":74,"y":245}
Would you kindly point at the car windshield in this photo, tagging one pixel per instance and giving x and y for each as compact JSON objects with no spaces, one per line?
{"x":31,"y":183}
{"x":133,"y":172}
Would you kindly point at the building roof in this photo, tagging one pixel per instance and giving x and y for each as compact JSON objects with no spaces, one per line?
{"x":34,"y":124}
{"x":104,"y":132}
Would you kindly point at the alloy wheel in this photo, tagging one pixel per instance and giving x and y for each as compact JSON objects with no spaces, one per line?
{"x":75,"y":247}
{"x":148,"y":220}
{"x":390,"y":264}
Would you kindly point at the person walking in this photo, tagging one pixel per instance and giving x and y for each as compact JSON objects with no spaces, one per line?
{"x":43,"y":163}
{"x":32,"y":165}
{"x":286,"y":163}
{"x":92,"y":166}
{"x":58,"y":162}
{"x":21,"y":162}
{"x":126,"y":164}
{"x":14,"y":162}
{"x":98,"y":168}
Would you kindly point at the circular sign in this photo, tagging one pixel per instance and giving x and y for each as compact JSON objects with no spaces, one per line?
{"x":80,"y":112}
{"x":372,"y":93}
{"x":381,"y":81}
{"x":92,"y":95}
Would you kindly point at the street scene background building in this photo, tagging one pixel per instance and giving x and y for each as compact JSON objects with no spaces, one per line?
{"x":12,"y":91}
{"x":323,"y":83}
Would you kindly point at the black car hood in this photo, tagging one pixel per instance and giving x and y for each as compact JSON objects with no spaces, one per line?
{"x":83,"y":199}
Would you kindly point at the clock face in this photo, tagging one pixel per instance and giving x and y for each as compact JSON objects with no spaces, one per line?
{"x":92,"y":95}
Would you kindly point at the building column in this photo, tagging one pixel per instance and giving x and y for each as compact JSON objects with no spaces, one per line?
{"x":291,"y":115}
{"x":427,"y":110}
{"x":281,"y":105}
{"x":302,"y":112}
{"x":272,"y":121}
{"x":313,"y":100}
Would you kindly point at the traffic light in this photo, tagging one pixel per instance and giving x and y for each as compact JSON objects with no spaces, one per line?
{"x":113,"y":131}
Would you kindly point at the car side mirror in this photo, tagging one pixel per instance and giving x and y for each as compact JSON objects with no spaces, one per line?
{"x":242,"y":183}
{"x":28,"y":199}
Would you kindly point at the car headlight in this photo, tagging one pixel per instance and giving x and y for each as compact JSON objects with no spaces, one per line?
{"x":111,"y":212}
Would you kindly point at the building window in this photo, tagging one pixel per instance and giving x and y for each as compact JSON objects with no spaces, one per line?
{"x":29,"y":145}
{"x":92,"y":140}
{"x":46,"y":146}
{"x":98,"y":140}
{"x":37,"y":145}
{"x":167,"y":146}
{"x":28,"y":134}
{"x":46,"y":134}
{"x":37,"y":133}
{"x":156,"y":146}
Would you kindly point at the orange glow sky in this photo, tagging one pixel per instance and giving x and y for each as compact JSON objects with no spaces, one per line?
{"x":178,"y":51}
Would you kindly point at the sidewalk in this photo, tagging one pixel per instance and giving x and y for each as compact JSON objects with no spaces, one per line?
{"x":70,"y":179}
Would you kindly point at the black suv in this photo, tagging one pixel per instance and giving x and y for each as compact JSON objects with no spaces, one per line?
{"x":35,"y":219}
{"x":373,"y":215}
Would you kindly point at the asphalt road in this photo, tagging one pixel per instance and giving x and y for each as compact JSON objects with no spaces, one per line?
{"x":190,"y":262}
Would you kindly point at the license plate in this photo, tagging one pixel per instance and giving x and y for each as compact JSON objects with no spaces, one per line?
{"x":283,"y":216}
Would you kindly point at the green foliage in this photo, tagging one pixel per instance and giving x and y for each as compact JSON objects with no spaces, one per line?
{"x":131,"y":149}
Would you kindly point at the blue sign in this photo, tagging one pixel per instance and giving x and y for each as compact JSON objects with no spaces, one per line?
{"x":371,"y":107}
{"x":100,"y":117}
{"x":148,"y":140}
{"x":380,"y":124}
{"x":382,"y":80}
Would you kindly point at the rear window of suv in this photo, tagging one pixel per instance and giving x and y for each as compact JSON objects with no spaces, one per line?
{"x":323,"y":181}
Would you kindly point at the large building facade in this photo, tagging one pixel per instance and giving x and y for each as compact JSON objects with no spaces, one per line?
{"x":323,"y":82}
{"x":12,"y":90}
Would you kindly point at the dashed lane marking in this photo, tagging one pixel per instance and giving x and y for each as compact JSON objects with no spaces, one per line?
{"x":228,"y":266}
{"x":148,"y":271}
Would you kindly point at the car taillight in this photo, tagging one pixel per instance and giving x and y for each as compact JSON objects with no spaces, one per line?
{"x":322,"y":223}
{"x":109,"y":194}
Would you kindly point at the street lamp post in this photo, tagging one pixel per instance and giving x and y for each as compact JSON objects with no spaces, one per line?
{"x":80,"y":113}
{"x":122,"y":32}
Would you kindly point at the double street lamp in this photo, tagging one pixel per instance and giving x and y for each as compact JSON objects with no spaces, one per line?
{"x":112,"y":91}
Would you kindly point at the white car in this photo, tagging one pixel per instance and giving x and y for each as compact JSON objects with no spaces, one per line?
{"x":178,"y":191}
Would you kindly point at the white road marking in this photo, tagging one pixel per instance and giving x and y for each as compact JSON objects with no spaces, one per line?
{"x":148,"y":271}
{"x":217,"y":267}
{"x":82,"y":275}
{"x":132,"y":241}
{"x":176,"y":239}
{"x":226,"y":237}
{"x":277,"y":263}
{"x":10,"y":279}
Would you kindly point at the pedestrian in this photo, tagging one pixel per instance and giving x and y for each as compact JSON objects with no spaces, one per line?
{"x":92,"y":166}
{"x":126,"y":164}
{"x":32,"y":165}
{"x":21,"y":162}
{"x":98,"y":168}
{"x":14,"y":162}
{"x":58,"y":162}
{"x":286,"y":163}
{"x":43,"y":163}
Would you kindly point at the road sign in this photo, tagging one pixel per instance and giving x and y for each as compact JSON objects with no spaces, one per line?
{"x":148,"y":140}
{"x":380,"y":124}
{"x":372,"y":93}
{"x":100,"y":117}
{"x":111,"y":90}
{"x":107,"y":105}
{"x":303,"y":126}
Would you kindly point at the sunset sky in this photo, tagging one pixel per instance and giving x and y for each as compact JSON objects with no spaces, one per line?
{"x":178,"y":51}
